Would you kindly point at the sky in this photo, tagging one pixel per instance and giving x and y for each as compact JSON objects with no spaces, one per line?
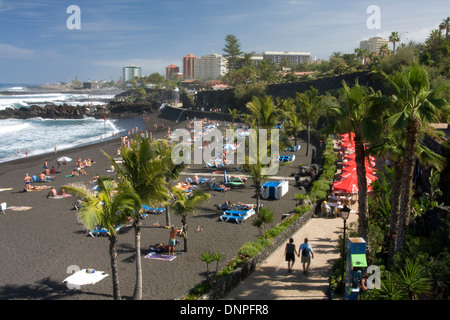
{"x":40,"y":44}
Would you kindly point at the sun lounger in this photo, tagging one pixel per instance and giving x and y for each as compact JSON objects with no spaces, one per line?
{"x":226,"y":206}
{"x":237,"y":216}
{"x":293,"y":149}
{"x":287,"y":158}
{"x":247,"y":206}
{"x":216,"y":188}
{"x":99,"y":231}
{"x":148,"y":209}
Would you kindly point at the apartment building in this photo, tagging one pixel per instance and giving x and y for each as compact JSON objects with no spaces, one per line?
{"x":172,"y":72}
{"x":373,"y":44}
{"x":293,"y":57}
{"x":188,"y":66}
{"x":210,"y":67}
{"x":131,"y":71}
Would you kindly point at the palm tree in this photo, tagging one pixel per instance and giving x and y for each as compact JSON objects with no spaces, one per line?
{"x":446,"y":26}
{"x":143,"y":168}
{"x":106,"y":209}
{"x":184,"y":205}
{"x":310,"y":109}
{"x":264,"y":217}
{"x":264,"y":112}
{"x":357,"y":115}
{"x":411,"y":281}
{"x":384,"y":50}
{"x":171,"y":171}
{"x":417,"y":106}
{"x":393,"y":146}
{"x":394,"y":38}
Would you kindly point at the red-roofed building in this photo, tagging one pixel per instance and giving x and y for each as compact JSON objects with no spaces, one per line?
{"x":188,"y":66}
{"x":171,"y":71}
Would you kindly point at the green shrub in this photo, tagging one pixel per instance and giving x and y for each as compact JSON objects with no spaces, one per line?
{"x":250,"y":249}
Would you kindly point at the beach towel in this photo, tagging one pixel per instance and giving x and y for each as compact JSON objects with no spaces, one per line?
{"x":5,"y":189}
{"x":160,"y":256}
{"x":59,"y":196}
{"x":19,"y":208}
{"x":85,"y":276}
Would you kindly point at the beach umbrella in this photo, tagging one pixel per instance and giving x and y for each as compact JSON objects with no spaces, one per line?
{"x":353,"y":169}
{"x":229,"y":147}
{"x":369,"y":176}
{"x":352,"y":163}
{"x":64,"y":159}
{"x":346,"y":135}
{"x":348,"y":185}
{"x":242,"y":134}
{"x":353,"y":155}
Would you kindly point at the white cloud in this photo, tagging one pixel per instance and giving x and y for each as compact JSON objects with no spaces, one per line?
{"x":8,"y":51}
{"x":416,"y":35}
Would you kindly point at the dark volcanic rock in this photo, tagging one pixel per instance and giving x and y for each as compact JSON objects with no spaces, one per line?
{"x":48,"y":112}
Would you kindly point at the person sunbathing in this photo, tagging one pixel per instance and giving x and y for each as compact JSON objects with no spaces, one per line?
{"x":247,"y":205}
{"x":52,"y":193}
{"x":41,"y":177}
{"x":75,"y":172}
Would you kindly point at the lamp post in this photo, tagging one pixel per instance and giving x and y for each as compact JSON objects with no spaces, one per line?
{"x":345,"y":212}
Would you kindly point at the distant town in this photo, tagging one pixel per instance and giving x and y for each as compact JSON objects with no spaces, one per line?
{"x":219,"y":72}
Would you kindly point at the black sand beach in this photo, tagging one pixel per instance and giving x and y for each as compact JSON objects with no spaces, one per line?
{"x":40,"y":244}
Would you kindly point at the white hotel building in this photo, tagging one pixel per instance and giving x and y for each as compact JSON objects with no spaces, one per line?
{"x":210,"y":67}
{"x":131,"y":71}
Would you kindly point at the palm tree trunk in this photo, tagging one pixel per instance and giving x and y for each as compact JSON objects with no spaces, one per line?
{"x":395,"y":211}
{"x":308,"y":130}
{"x":137,"y":239}
{"x":114,"y":269}
{"x":167,"y":216}
{"x":184,"y":224}
{"x":363,"y":206}
{"x":258,"y":195}
{"x":406,"y":182}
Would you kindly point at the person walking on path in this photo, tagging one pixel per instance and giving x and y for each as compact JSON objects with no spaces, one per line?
{"x":290,"y":252}
{"x":307,"y":253}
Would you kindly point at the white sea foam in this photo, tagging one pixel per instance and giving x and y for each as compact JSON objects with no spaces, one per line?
{"x":25,"y":100}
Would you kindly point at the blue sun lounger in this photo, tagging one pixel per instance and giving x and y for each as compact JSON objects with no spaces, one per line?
{"x":99,"y":231}
{"x":293,"y":149}
{"x":148,"y":209}
{"x":287,"y":158}
{"x":216,"y":188}
{"x":237,"y":216}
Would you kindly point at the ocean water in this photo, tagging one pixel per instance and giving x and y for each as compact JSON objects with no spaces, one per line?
{"x":40,"y":135}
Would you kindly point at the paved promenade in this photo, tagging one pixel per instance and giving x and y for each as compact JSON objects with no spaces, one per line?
{"x":272,"y":281}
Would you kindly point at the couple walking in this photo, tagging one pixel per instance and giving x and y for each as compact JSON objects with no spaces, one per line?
{"x":306,"y":253}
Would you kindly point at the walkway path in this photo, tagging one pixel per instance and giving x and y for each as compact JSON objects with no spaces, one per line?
{"x":271,"y":280}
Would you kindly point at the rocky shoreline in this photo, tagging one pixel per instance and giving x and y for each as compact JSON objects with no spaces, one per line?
{"x":116,"y":107}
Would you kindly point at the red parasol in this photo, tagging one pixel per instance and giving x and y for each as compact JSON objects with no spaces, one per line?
{"x":352,"y":163}
{"x":353,"y":168}
{"x":348,"y":185}
{"x":369,"y":176}
{"x":353,"y":156}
